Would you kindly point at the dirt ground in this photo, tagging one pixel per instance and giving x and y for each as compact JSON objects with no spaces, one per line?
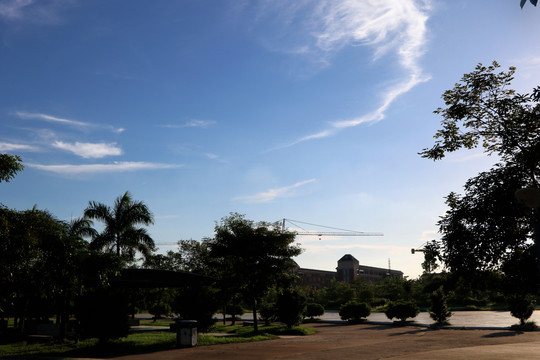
{"x":372,"y":341}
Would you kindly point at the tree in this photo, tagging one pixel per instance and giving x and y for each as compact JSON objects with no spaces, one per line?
{"x":291,"y":307}
{"x":354,"y":311}
{"x":486,"y":224}
{"x":523,"y":2}
{"x":121,"y":232}
{"x":402,"y":310}
{"x":38,"y":266}
{"x":10,"y":165}
{"x":521,"y":307}
{"x":314,"y":309}
{"x":251,"y":257}
{"x":438,"y":310}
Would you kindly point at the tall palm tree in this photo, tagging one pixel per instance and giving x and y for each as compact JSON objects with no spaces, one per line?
{"x":121,"y":233}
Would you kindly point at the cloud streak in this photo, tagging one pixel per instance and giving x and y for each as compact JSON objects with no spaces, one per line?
{"x":17,"y":147}
{"x":54,"y":119}
{"x":32,"y":11}
{"x":396,"y":27}
{"x":90,"y":150}
{"x":114,"y":167}
{"x":272,"y":194}
{"x":191,"y":124}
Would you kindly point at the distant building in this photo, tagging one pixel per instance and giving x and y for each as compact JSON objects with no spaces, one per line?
{"x":348,"y":270}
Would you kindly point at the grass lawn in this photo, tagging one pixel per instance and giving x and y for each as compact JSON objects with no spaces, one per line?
{"x":145,"y":342}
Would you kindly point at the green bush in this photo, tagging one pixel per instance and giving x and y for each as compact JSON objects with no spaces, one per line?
{"x":268,"y":312}
{"x":160,"y":308}
{"x":439,"y":308}
{"x":291,"y":306}
{"x":521,"y":307}
{"x":104,"y":306}
{"x":313,"y":309}
{"x":236,"y":310}
{"x":402,"y":310}
{"x":354,"y":311}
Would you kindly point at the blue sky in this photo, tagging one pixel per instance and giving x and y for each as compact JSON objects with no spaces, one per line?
{"x":307,"y":110}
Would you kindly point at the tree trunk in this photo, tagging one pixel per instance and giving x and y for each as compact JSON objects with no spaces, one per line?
{"x":255,"y":325}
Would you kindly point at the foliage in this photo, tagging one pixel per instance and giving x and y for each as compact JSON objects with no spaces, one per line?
{"x":10,"y":165}
{"x":235,"y":310}
{"x":521,"y":307}
{"x":487,"y":223}
{"x":39,"y":265}
{"x":354,"y":311}
{"x":268,"y":312}
{"x":159,"y":308}
{"x":196,"y":302}
{"x":402,"y":310}
{"x":523,"y":2}
{"x":121,"y":232}
{"x":314,"y":309}
{"x":439,"y":311}
{"x":291,"y":307}
{"x":251,"y":257}
{"x":99,"y":304}
{"x":431,"y":254}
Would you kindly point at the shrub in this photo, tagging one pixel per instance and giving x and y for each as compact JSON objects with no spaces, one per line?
{"x":439,"y":308}
{"x":313,"y":309}
{"x":236,"y":310}
{"x":159,"y":308}
{"x":354,"y":311}
{"x":97,"y":306}
{"x":268,"y":313}
{"x":521,"y":307}
{"x":402,"y":310}
{"x":291,"y":306}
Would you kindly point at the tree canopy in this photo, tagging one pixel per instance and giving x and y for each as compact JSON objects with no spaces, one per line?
{"x":121,"y":231}
{"x":523,"y":2}
{"x":486,"y":225}
{"x":251,"y":257}
{"x":10,"y":165}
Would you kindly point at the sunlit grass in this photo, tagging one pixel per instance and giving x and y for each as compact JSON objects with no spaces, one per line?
{"x":144,"y":342}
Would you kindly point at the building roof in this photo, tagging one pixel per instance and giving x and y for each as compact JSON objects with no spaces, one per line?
{"x":347,"y":257}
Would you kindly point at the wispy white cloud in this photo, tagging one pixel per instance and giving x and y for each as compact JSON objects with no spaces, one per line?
{"x":50,"y":118}
{"x":102,"y":168}
{"x":34,"y":11}
{"x":90,"y":150}
{"x":54,"y":119}
{"x":272,"y":194}
{"x":396,"y":27}
{"x":4,"y":146}
{"x":192,"y":124}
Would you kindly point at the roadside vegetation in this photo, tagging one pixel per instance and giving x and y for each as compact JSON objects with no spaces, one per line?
{"x":489,"y":259}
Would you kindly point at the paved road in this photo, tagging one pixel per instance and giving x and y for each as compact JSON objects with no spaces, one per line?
{"x":371,"y":341}
{"x":468,"y":319}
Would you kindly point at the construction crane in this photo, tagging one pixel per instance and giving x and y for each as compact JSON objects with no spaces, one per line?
{"x":341,"y":232}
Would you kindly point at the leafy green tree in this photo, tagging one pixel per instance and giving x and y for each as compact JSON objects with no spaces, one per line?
{"x":251,"y":257}
{"x":38,"y":265}
{"x":313,"y":310}
{"x":438,"y":310}
{"x":10,"y":165}
{"x":354,"y":311}
{"x":523,"y":2}
{"x":521,"y":307}
{"x":402,"y":310}
{"x":291,"y":307}
{"x":486,"y":224}
{"x":121,"y":232}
